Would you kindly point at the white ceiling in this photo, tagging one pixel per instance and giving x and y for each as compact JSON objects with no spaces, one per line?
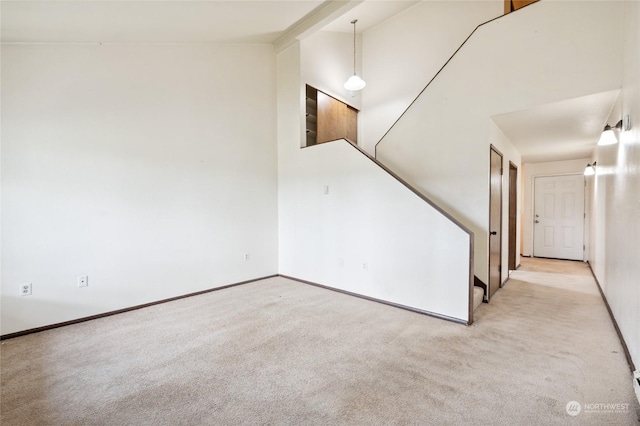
{"x":148,"y":21}
{"x":563,"y":130}
{"x":176,"y":21}
{"x":369,"y":14}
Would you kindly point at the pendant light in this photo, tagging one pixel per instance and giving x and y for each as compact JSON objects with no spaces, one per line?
{"x":354,"y":83}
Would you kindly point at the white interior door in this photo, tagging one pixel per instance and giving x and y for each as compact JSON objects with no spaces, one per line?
{"x":559,"y":217}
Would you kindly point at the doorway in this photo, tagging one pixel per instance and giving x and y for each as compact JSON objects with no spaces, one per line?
{"x":513,"y":215}
{"x":495,"y":221}
{"x":558,"y":222}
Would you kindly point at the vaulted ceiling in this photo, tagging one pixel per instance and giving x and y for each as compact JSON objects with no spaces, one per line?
{"x":568,"y":129}
{"x":180,"y":21}
{"x":150,"y":21}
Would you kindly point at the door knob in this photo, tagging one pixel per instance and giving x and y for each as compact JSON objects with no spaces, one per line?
{"x":494,"y":233}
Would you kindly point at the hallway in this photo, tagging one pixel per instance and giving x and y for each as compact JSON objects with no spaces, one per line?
{"x":555,"y":317}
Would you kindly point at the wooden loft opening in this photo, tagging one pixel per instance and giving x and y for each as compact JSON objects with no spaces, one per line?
{"x":328,"y":119}
{"x":511,"y":5}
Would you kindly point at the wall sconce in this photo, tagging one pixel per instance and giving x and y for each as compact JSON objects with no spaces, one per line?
{"x":354,"y":83}
{"x":590,"y":170}
{"x":608,"y":137}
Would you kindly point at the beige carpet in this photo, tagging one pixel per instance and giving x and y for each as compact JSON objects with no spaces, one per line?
{"x":282,"y":352}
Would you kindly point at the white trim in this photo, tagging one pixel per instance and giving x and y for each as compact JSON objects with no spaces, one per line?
{"x":314,"y":21}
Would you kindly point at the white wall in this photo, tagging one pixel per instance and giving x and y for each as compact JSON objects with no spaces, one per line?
{"x":615,"y":247}
{"x":402,"y":54}
{"x":546,"y":52}
{"x":533,"y":170}
{"x":370,"y":234}
{"x":597,"y":201}
{"x":327,"y":62}
{"x":151,"y":169}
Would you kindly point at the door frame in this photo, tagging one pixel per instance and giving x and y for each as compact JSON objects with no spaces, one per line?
{"x":533,"y":210}
{"x":491,"y":291}
{"x":513,"y":217}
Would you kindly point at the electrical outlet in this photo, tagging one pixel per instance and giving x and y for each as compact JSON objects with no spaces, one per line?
{"x":246,"y":256}
{"x":25,"y":289}
{"x":83,"y":281}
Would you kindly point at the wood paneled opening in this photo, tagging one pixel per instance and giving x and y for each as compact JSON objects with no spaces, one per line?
{"x":511,"y":5}
{"x":328,"y":119}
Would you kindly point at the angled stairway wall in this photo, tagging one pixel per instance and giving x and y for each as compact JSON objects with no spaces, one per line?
{"x":546,"y":52}
{"x":400,"y":55}
{"x":346,"y":223}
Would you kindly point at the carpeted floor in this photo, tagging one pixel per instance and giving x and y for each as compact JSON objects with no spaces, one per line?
{"x":281,"y":352}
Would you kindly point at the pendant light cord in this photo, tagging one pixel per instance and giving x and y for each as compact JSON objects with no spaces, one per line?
{"x":354,"y":83}
{"x":354,"y":45}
